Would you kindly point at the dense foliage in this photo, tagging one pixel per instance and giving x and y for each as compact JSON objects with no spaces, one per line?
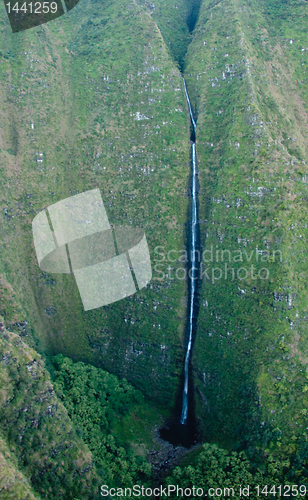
{"x":176,"y":21}
{"x":217,"y":470}
{"x":95,"y":401}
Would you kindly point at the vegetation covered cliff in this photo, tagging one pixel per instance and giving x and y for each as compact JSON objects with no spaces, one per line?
{"x":95,"y":100}
{"x":38,"y":441}
{"x":248,"y":80}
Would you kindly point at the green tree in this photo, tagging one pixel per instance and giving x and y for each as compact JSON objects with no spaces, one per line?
{"x":95,"y":400}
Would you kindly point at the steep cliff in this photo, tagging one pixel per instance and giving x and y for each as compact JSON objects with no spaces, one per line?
{"x":94,"y":100}
{"x":247,"y":79}
{"x":13,"y":483}
{"x":38,"y":442}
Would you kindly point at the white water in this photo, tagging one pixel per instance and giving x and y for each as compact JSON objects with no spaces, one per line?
{"x":192,"y":273}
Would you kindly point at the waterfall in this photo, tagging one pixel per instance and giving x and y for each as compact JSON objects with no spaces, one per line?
{"x":193,"y":269}
{"x":190,"y":108}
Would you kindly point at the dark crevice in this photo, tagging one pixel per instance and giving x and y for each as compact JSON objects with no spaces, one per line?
{"x":177,"y":37}
{"x":182,"y":430}
{"x":176,"y":24}
{"x":193,"y":15}
{"x":192,"y":135}
{"x":191,"y":21}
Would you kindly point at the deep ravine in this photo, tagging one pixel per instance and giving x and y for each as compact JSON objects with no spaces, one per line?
{"x":193,"y":268}
{"x":181,"y":429}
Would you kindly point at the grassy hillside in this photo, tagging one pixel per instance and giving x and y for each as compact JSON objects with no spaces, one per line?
{"x":94,"y":100}
{"x":247,"y":80}
{"x":13,"y":484}
{"x":38,"y":441}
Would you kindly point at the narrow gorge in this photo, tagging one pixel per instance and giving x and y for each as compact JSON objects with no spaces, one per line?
{"x":194,"y":261}
{"x":191,"y":119}
{"x":181,"y":429}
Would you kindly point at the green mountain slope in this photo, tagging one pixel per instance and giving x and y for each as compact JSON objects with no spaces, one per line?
{"x":94,"y":100}
{"x":247,"y":80}
{"x":64,"y":436}
{"x":13,"y":484}
{"x":175,"y":21}
{"x":38,"y":441}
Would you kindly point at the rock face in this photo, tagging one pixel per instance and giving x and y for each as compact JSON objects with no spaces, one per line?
{"x":95,"y":100}
{"x":36,"y":430}
{"x":13,"y":484}
{"x":247,"y":80}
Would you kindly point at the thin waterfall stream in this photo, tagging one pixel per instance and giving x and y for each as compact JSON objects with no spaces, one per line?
{"x":193,"y":269}
{"x":181,"y":429}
